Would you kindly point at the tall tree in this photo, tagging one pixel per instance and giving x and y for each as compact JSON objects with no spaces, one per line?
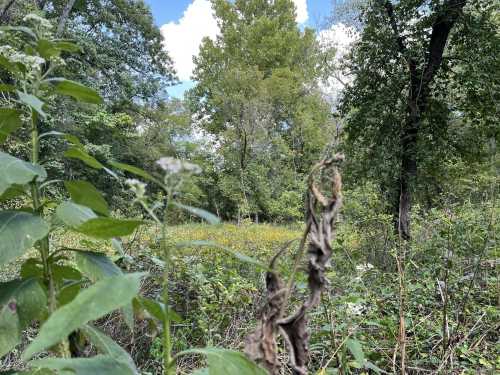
{"x":400,"y":107}
{"x":257,"y":93}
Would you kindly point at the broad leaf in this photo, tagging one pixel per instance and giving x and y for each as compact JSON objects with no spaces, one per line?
{"x":74,"y":215}
{"x":209,"y":217}
{"x":80,"y":154}
{"x":107,"y":227}
{"x":96,"y":266}
{"x":18,"y":232}
{"x":10,"y":330}
{"x":100,"y":364}
{"x":356,"y":350}
{"x":227,"y":362}
{"x":134,"y":170}
{"x":84,"y":193}
{"x":16,"y":172}
{"x":157,"y":310}
{"x":33,"y":102}
{"x":29,"y":298}
{"x":92,"y":303}
{"x":76,"y":90}
{"x":106,"y":345}
{"x":10,"y":121}
{"x":22,"y":29}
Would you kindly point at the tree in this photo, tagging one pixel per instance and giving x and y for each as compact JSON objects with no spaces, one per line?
{"x":257,"y":94}
{"x":399,"y":108}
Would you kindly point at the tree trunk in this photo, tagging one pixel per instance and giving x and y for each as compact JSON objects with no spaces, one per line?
{"x":5,"y":11}
{"x":64,"y":17}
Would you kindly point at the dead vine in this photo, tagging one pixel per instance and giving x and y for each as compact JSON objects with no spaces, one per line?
{"x":321,"y":215}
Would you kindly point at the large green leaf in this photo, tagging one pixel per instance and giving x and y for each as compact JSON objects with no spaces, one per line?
{"x":18,"y":232}
{"x":33,"y":102}
{"x":29,"y":298}
{"x":134,"y":170}
{"x":107,"y":227}
{"x":96,"y":266}
{"x":22,"y":29}
{"x":227,"y":362}
{"x":106,"y":345}
{"x":16,"y":172}
{"x":98,"y":365}
{"x":81,"y":154}
{"x":92,"y":303}
{"x":10,"y":330}
{"x":74,"y":215}
{"x":205,"y":215}
{"x":84,"y":193}
{"x":76,"y":90}
{"x":10,"y":121}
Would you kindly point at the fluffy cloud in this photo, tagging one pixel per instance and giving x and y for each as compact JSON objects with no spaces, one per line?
{"x":302,"y":14}
{"x":183,"y":38}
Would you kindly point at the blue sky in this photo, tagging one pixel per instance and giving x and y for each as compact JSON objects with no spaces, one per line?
{"x":185,"y":22}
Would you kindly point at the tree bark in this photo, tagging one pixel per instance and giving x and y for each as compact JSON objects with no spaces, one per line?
{"x":5,"y":11}
{"x":419,"y":92}
{"x":64,"y":17}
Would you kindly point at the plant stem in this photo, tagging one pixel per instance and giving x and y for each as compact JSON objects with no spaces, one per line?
{"x":167,"y":339}
{"x":44,"y":245}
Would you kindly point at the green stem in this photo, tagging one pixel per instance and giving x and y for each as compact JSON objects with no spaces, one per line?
{"x":44,"y":246}
{"x":167,"y":338}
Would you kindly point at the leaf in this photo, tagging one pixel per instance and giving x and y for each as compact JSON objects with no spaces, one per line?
{"x":10,"y":121}
{"x":99,"y":364}
{"x":107,"y":346}
{"x":84,"y":193}
{"x":157,"y":310}
{"x":96,"y":266}
{"x":227,"y":362}
{"x":76,"y":90}
{"x":22,"y":29}
{"x":16,"y":172}
{"x":107,"y":227}
{"x":67,"y":45}
{"x":33,"y":102}
{"x":80,"y":154}
{"x":47,"y":49}
{"x":92,"y":303}
{"x":18,"y":232}
{"x":74,"y":215}
{"x":356,"y":350}
{"x":201,"y":371}
{"x":10,"y":330}
{"x":241,"y":257}
{"x":133,"y":170}
{"x":29,"y":298}
{"x":209,"y":217}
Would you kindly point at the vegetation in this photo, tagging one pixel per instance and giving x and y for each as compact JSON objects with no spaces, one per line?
{"x":254,"y":227}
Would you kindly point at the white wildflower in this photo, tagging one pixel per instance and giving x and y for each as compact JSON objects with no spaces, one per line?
{"x":355,"y":308}
{"x":137,"y":187}
{"x":172,"y":165}
{"x":36,"y":19}
{"x":364,"y":267}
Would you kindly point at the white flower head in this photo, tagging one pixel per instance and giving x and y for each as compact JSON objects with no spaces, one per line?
{"x":355,"y":308}
{"x":364,"y":267}
{"x":37,"y":20}
{"x":137,"y":187}
{"x":173,"y":166}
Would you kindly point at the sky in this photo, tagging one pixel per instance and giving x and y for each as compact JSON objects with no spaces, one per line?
{"x":184,"y":23}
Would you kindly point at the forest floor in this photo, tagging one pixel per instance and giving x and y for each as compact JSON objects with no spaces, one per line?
{"x":218,"y":297}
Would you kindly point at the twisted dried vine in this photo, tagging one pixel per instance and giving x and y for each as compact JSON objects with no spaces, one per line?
{"x":322,"y":210}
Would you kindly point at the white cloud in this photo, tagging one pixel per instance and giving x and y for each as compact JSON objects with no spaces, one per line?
{"x":302,"y":14}
{"x":340,"y":37}
{"x":183,"y":38}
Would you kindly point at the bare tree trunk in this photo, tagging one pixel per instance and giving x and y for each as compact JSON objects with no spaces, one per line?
{"x":64,"y":17}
